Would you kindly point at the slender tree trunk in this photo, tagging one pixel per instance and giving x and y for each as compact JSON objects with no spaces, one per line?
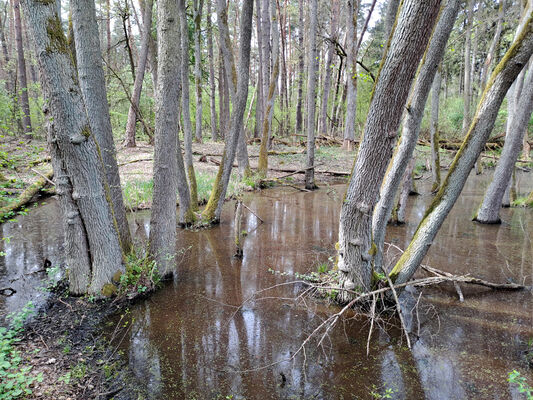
{"x":133,"y":113}
{"x":409,"y":39}
{"x":493,"y":46}
{"x":311,"y":95}
{"x":198,"y":7}
{"x":323,"y":129}
{"x":265,"y":43}
{"x":75,"y":143}
{"x":489,"y":211}
{"x":10,"y":77}
{"x":404,"y":153}
{"x":467,"y":94}
{"x":405,"y":190}
{"x":212,"y":88}
{"x":169,"y":170}
{"x":483,"y":122}
{"x":299,"y":118}
{"x":434,"y":129}
{"x":351,"y":72}
{"x":390,"y":17}
{"x":92,"y":83}
{"x":21,"y":68}
{"x":259,"y":111}
{"x":213,"y":209}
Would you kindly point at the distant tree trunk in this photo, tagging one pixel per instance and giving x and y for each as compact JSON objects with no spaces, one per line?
{"x":133,"y":113}
{"x":405,"y":190}
{"x":526,"y":147}
{"x":75,"y":146}
{"x":259,"y":111}
{"x":185,"y":105}
{"x":10,"y":78}
{"x":311,"y":95}
{"x":411,"y":127}
{"x":489,"y":211}
{"x":434,"y":130}
{"x":414,"y":25}
{"x":467,"y":94}
{"x":21,"y":68}
{"x":284,"y":98}
{"x":108,"y":32}
{"x":299,"y":102}
{"x":213,"y":208}
{"x":169,"y":170}
{"x":390,"y":17}
{"x":262,"y":166}
{"x":212,"y":88}
{"x":482,"y":124}
{"x":323,"y":128}
{"x":198,"y":6}
{"x":492,"y":49}
{"x":351,"y":74}
{"x":152,"y":48}
{"x":92,"y":83}
{"x":265,"y":42}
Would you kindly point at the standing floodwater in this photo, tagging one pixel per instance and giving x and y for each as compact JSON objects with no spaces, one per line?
{"x":189,"y":341}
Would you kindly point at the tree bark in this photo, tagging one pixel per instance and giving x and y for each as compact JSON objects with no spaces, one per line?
{"x":409,"y":39}
{"x":169,"y":170}
{"x":489,"y":211}
{"x":212,"y":88}
{"x":404,"y":153}
{"x":351,"y":74}
{"x":502,"y":78}
{"x":213,"y":209}
{"x":76,"y":143}
{"x":92,"y":83}
{"x":139,"y":76}
{"x":301,"y":49}
{"x":21,"y":68}
{"x":434,"y":129}
{"x":467,"y":94}
{"x":198,"y":7}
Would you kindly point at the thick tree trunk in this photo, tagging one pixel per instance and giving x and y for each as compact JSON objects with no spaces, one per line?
{"x":351,"y":74}
{"x":299,"y":102}
{"x":198,"y":7}
{"x":503,"y":76}
{"x":212,"y":88}
{"x":75,"y":143}
{"x":434,"y":129}
{"x":404,"y":153}
{"x":323,"y":126}
{"x":414,"y":24}
{"x":21,"y":68}
{"x":185,"y":105}
{"x":489,"y":211}
{"x":92,"y":83}
{"x":133,"y":113}
{"x":169,"y":170}
{"x":218,"y":194}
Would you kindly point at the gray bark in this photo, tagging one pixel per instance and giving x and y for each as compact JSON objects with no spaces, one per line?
{"x":390,"y":17}
{"x":503,"y":76}
{"x":211,"y":59}
{"x":21,"y":68}
{"x":259,"y":111}
{"x":467,"y":94}
{"x":311,"y":96}
{"x":492,"y":49}
{"x":405,"y":190}
{"x":323,"y":126}
{"x":92,"y":83}
{"x":432,"y":58}
{"x":75,"y":142}
{"x":415,"y":22}
{"x":489,"y":211}
{"x":434,"y":130}
{"x":266,"y":49}
{"x":214,"y":206}
{"x":139,"y":76}
{"x":301,"y":49}
{"x":169,"y":171}
{"x":351,"y":72}
{"x":198,"y":6}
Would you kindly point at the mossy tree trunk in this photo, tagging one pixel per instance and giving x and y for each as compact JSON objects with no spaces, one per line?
{"x":411,"y":127}
{"x":398,"y":67}
{"x":213,"y":209}
{"x":76,"y":146}
{"x":502,"y":78}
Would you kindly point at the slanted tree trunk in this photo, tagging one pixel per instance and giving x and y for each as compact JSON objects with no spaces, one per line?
{"x":211,"y":60}
{"x":169,"y":170}
{"x":351,"y":74}
{"x":75,"y":145}
{"x":133,"y":113}
{"x":92,"y":83}
{"x":312,"y":63}
{"x":483,"y":122}
{"x":323,"y":126}
{"x":198,"y":7}
{"x":213,"y":209}
{"x":21,"y":68}
{"x":414,"y":25}
{"x":185,"y":105}
{"x":434,"y":129}
{"x":489,"y":211}
{"x":301,"y":49}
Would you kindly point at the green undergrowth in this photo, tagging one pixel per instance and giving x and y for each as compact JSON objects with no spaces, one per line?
{"x":523,"y":202}
{"x":523,"y":387}
{"x":15,"y":379}
{"x":140,"y":277}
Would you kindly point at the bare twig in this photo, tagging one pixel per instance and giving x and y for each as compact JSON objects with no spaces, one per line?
{"x":253,"y":212}
{"x":399,"y":309}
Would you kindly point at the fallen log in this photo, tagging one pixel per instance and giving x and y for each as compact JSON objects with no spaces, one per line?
{"x":26,"y":196}
{"x":497,"y":158}
{"x":135,"y":161}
